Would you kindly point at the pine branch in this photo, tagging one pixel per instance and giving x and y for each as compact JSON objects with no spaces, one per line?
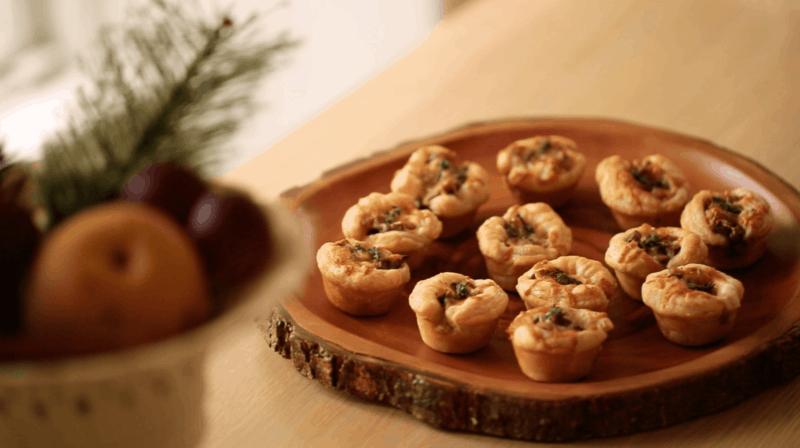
{"x":170,"y":86}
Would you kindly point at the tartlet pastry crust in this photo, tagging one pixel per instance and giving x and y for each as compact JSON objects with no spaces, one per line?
{"x":693,"y":304}
{"x":651,"y":190}
{"x":453,"y":323}
{"x":734,"y":224}
{"x":361,"y":279}
{"x":638,"y":252}
{"x":568,"y":282}
{"x":510,"y":248}
{"x":541,"y":169}
{"x":393,"y":222}
{"x":558,"y":344}
{"x":453,"y":190}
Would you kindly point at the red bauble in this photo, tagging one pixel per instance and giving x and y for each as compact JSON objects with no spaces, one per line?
{"x":169,"y":186}
{"x":19,"y":239}
{"x":232,"y":235}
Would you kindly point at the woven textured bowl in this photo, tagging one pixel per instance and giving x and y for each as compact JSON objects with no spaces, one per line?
{"x":149,"y":396}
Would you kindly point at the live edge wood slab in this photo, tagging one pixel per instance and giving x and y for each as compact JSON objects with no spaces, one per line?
{"x":640,"y":380}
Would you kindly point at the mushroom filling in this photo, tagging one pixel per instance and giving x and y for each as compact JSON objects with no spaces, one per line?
{"x":456,"y":293}
{"x":650,"y":178}
{"x":556,"y":316}
{"x":695,"y":284}
{"x":518,"y":230}
{"x":389,"y":220}
{"x":661,"y":249}
{"x":560,"y":277}
{"x":382,"y":259}
{"x":443,"y":176}
{"x":546,"y":150}
{"x":722,"y":215}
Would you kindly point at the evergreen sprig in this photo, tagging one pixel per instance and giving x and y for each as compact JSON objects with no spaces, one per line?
{"x":170,"y":85}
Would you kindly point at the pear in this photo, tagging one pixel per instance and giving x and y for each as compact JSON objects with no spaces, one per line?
{"x":112,"y":276}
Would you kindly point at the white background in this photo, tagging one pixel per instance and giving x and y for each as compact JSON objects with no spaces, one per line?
{"x":344,"y":43}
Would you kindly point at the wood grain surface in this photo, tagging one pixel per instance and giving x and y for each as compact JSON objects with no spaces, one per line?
{"x":721,"y":70}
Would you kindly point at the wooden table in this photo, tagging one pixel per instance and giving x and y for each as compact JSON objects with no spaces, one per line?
{"x":723,"y":70}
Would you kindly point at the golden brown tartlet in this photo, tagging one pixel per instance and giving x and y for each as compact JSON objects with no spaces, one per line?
{"x":361,"y":279}
{"x":735,"y":225}
{"x":637,"y":253}
{"x":453,"y":190}
{"x":555,"y":344}
{"x":541,"y":169}
{"x":651,"y":190}
{"x":523,"y":236}
{"x":456,"y":314}
{"x":393,"y":222}
{"x":568,"y":282}
{"x":693,"y":304}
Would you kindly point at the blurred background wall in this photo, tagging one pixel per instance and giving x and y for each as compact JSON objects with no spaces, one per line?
{"x":344,"y":44}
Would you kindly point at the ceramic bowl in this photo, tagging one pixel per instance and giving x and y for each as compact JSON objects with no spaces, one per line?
{"x":149,"y":396}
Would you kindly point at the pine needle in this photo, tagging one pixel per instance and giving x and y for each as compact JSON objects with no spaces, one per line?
{"x":168,"y":86}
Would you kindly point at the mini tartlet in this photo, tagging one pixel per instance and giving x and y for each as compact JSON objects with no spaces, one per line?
{"x":637,"y":253}
{"x":361,"y":279}
{"x":452,"y":189}
{"x":541,"y":169}
{"x":568,"y":282}
{"x":456,"y":314}
{"x":650,"y":190}
{"x":523,"y":236}
{"x":693,"y":304}
{"x":555,"y":344}
{"x":393,"y":222}
{"x":735,"y":225}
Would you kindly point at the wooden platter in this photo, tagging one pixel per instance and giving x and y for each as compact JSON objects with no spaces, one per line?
{"x":640,"y":380}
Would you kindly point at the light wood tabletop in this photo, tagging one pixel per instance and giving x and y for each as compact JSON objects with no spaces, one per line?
{"x":722,"y":70}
